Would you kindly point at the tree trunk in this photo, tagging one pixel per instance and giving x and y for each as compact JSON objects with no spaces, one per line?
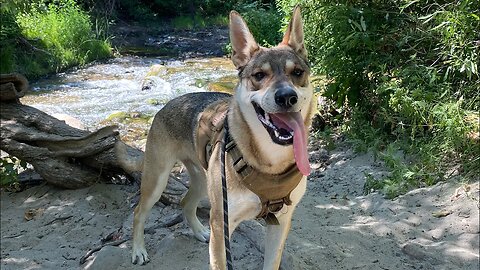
{"x":63,"y":155}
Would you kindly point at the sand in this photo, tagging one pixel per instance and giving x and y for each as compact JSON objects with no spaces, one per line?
{"x":334,"y":227}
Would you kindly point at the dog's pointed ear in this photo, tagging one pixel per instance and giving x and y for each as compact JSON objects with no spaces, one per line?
{"x":243,"y":43}
{"x":293,"y":37}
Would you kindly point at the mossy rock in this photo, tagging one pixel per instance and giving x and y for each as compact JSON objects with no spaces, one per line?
{"x":119,"y":116}
{"x":153,"y":101}
{"x":201,"y":82}
{"x":225,"y":84}
{"x":149,"y":51}
{"x":129,"y":118}
{"x":212,"y":63}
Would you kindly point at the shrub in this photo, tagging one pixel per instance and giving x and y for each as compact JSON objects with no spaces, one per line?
{"x":10,"y":167}
{"x":55,"y":35}
{"x":406,"y":71}
{"x":264,"y":22}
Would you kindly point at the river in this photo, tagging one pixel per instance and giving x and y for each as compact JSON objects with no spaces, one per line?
{"x":93,"y":93}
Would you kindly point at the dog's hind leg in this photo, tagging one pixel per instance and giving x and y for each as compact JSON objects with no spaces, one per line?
{"x":196,"y":192}
{"x":157,"y":166}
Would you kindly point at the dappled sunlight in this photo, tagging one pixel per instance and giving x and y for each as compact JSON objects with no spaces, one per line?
{"x":333,"y":206}
{"x":424,"y":228}
{"x":22,"y":263}
{"x":57,"y":208}
{"x":43,"y":219}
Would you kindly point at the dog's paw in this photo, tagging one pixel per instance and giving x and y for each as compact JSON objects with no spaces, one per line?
{"x":203,"y":235}
{"x":140,"y":256}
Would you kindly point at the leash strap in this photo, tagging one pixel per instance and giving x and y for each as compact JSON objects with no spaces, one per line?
{"x":225,"y":199}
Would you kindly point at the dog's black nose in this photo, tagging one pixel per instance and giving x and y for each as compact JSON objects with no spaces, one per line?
{"x":286,"y":97}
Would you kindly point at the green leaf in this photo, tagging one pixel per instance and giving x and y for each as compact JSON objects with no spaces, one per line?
{"x":362,"y":22}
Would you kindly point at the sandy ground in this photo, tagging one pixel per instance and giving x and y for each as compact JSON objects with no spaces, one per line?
{"x":334,"y":227}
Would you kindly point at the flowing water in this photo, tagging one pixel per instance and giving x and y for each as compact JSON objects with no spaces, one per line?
{"x":93,"y":93}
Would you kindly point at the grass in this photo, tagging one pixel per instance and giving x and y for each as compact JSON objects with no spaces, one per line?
{"x":418,"y":161}
{"x":47,"y":38}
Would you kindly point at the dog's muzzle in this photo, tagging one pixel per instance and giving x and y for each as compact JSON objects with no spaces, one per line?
{"x":279,"y":132}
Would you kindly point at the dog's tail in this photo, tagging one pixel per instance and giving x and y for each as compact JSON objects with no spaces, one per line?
{"x":131,"y":161}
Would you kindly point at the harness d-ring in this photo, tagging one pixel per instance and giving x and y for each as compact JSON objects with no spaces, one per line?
{"x":226,"y":233}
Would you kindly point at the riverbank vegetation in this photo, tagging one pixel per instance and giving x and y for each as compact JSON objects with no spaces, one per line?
{"x":42,"y":37}
{"x":400,"y":76}
{"x":404,"y":75}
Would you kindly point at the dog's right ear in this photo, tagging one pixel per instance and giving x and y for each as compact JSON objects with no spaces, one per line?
{"x":243,"y":42}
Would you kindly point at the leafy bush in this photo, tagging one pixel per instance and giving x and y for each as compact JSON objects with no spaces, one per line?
{"x":264,"y":22}
{"x":406,"y":72}
{"x":56,"y":36}
{"x":146,"y":11}
{"x":9,"y":169}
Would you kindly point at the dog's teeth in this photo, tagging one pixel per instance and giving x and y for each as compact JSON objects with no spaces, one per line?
{"x":285,"y":137}
{"x":277,"y":134}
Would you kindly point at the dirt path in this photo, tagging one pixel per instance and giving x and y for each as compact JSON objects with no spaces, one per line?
{"x":335,"y":227}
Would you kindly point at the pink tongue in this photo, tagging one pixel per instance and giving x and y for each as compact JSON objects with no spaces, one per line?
{"x":294,"y":121}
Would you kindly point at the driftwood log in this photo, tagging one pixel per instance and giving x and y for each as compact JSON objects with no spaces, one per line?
{"x":63,"y":155}
{"x":12,"y":87}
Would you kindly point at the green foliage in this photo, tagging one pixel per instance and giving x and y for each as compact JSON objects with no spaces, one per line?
{"x":136,"y":10}
{"x":264,"y":22}
{"x":405,"y":72}
{"x":55,"y":36}
{"x":404,"y":175}
{"x":9,"y":170}
{"x":148,"y":11}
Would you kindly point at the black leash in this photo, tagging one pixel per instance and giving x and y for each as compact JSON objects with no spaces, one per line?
{"x":225,"y":199}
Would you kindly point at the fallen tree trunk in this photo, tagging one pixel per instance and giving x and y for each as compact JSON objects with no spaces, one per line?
{"x":12,"y":86}
{"x":63,"y":155}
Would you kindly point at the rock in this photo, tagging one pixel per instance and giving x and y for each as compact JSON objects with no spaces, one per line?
{"x":414,"y":250}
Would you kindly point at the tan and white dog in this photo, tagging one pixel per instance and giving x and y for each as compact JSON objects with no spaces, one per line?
{"x":268,"y":119}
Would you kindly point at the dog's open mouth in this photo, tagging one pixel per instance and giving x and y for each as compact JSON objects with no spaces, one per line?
{"x":279,"y":132}
{"x":286,"y":129}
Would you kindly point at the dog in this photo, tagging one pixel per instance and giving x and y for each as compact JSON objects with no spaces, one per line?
{"x":266,"y":165}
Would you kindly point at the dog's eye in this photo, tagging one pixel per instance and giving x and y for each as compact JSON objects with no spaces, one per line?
{"x":259,"y":76}
{"x":297,"y":72}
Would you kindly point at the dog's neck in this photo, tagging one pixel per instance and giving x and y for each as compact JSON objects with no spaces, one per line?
{"x":255,"y":144}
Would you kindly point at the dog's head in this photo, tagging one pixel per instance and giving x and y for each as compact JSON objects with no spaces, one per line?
{"x":274,"y":89}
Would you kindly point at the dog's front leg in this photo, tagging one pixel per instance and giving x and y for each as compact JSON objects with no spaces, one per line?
{"x":217,"y":244}
{"x":277,"y":234}
{"x":275,"y":241}
{"x":242,"y":205}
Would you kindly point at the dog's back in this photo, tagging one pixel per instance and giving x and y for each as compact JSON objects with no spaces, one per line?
{"x":179,"y":117}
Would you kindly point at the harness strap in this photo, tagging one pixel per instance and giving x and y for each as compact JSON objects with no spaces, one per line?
{"x":270,"y":206}
{"x":226,"y":232}
{"x":272,"y":189}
